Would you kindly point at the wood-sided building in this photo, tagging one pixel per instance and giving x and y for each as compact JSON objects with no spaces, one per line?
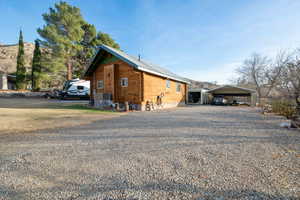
{"x":117,"y":78}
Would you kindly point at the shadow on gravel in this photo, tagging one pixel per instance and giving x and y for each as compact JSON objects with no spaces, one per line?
{"x":174,"y":191}
{"x":193,"y":139}
{"x":124,"y":190}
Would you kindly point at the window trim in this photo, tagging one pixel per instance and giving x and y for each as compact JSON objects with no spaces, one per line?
{"x":168,"y":84}
{"x":178,"y":85}
{"x":100,"y":81}
{"x":126,"y":82}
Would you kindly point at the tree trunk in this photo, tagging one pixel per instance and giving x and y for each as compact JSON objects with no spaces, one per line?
{"x":69,"y":70}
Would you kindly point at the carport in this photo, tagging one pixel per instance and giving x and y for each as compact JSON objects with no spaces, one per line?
{"x":235,"y":94}
{"x":198,"y":96}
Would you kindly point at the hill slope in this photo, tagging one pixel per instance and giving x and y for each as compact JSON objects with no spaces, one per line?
{"x":199,"y":84}
{"x":8,"y":56}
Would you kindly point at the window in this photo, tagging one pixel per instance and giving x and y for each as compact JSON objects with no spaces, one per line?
{"x":178,"y":87}
{"x":124,"y":82}
{"x":100,"y":84}
{"x":168,"y":83}
{"x":80,"y":87}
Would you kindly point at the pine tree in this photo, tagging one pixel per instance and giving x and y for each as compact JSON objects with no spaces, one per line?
{"x":104,"y":38}
{"x":63,"y":33}
{"x":21,"y":70}
{"x":71,"y":39}
{"x":36,"y":70}
{"x":90,"y":41}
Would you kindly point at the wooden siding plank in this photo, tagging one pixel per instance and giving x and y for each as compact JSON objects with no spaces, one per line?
{"x":155,"y":86}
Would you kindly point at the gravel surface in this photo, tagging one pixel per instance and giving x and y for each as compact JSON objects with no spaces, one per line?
{"x":197,"y":152}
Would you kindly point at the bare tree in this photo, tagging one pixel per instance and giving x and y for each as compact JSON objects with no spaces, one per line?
{"x":290,"y":79}
{"x":261,"y":73}
{"x":275,"y":70}
{"x":253,"y":72}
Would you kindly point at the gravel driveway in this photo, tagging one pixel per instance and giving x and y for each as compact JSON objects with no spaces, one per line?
{"x":198,"y":152}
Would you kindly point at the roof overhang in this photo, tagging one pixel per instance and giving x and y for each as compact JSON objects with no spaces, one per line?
{"x":159,"y":74}
{"x":197,"y":90}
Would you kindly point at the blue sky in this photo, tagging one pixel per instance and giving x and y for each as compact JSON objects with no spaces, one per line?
{"x":200,"y":39}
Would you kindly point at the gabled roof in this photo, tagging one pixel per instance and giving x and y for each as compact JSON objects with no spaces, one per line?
{"x":231,"y":86}
{"x":136,"y":63}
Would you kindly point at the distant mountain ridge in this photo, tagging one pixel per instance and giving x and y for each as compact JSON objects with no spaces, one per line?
{"x":8,"y":56}
{"x":201,"y":85}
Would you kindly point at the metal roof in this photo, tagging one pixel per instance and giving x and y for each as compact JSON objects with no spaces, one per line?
{"x":231,"y":86}
{"x":138,"y":64}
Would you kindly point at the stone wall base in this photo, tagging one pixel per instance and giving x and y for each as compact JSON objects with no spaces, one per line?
{"x":102,"y":104}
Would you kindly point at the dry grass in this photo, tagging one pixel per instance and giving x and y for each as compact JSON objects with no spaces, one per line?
{"x":24,"y":115}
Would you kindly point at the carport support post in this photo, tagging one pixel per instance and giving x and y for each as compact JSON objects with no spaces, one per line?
{"x":253,"y":99}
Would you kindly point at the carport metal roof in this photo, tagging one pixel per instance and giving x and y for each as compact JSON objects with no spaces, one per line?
{"x":231,"y":90}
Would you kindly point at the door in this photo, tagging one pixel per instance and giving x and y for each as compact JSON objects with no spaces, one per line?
{"x":109,"y":84}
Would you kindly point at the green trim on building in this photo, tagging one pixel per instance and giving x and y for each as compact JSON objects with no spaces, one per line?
{"x":109,"y":60}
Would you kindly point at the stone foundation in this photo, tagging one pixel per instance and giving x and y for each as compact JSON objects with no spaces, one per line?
{"x":104,"y":104}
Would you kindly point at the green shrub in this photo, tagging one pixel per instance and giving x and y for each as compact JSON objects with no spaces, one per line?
{"x":284,"y":108}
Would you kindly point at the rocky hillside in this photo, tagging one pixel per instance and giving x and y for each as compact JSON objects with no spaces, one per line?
{"x":8,"y":56}
{"x":199,"y":84}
